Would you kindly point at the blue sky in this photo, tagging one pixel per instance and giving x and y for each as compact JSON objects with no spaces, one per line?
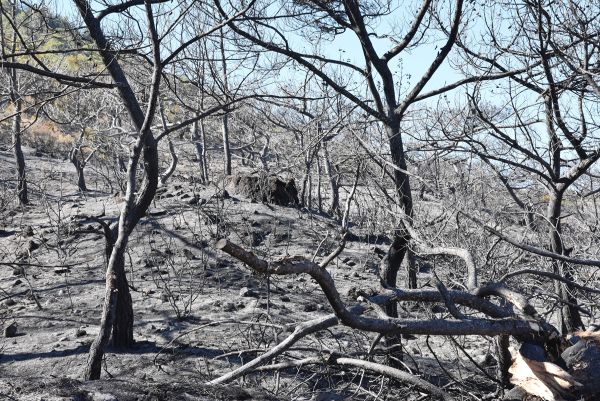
{"x":409,"y":66}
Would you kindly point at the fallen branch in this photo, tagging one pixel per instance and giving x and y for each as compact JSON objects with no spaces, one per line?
{"x":302,"y":330}
{"x":300,"y":265}
{"x":373,"y":367}
{"x":516,"y":299}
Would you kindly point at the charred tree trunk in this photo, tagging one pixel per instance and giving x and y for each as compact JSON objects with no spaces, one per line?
{"x":398,"y":251}
{"x":171,"y":169}
{"x":226,"y":147}
{"x":504,"y":360}
{"x":569,"y":313}
{"x":17,"y":102}
{"x":199,"y":140}
{"x":122,"y":325}
{"x":225,"y":119}
{"x":319,"y":195}
{"x":399,"y":246}
{"x":334,"y":207}
{"x":263,"y":154}
{"x":117,"y":316}
{"x":74,"y":157}
{"x":306,"y":180}
{"x":80,"y":178}
{"x":117,"y":313}
{"x":22,"y":193}
{"x":162,"y":180}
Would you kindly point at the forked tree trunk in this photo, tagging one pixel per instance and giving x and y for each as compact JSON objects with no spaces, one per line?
{"x":117,"y":313}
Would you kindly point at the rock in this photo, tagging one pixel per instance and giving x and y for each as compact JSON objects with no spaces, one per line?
{"x":264,"y":188}
{"x":253,"y":238}
{"x":10,"y":302}
{"x":485,"y":360}
{"x":223,"y":195}
{"x":158,"y":213}
{"x":32,"y":245}
{"x":10,"y":330}
{"x":5,"y":233}
{"x":248,"y":292}
{"x":517,"y":394}
{"x":188,"y":254}
{"x":95,"y":396}
{"x":196,"y":200}
{"x":280,"y":237}
{"x":80,"y":332}
{"x":583,"y":362}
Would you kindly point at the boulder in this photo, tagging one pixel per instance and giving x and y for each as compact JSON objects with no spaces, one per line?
{"x":264,"y":188}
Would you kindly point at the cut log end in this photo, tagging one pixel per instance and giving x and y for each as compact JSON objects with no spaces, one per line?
{"x":220,"y":244}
